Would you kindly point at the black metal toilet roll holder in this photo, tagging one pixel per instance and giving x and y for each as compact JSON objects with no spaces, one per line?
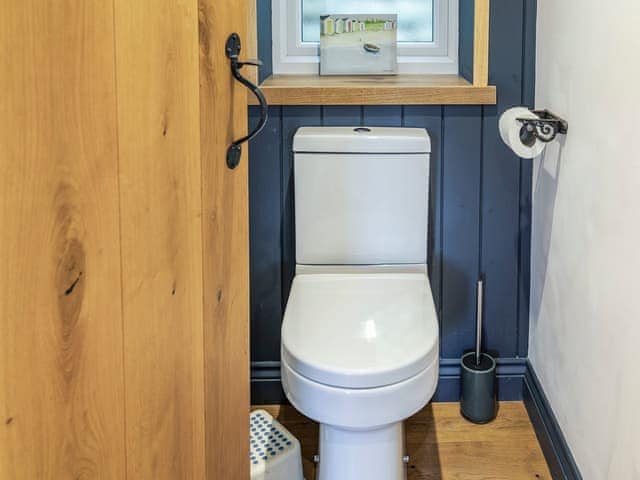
{"x":544,"y":128}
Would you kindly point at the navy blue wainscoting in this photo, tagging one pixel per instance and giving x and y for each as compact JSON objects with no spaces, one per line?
{"x":479,"y":220}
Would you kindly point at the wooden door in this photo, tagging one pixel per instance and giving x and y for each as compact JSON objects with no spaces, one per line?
{"x":225,"y":196}
{"x":61,"y":363}
{"x":123,"y":242}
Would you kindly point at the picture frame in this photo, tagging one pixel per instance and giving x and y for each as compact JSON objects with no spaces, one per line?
{"x":352,"y":44}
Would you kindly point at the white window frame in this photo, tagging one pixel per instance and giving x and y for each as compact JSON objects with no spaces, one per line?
{"x":293,"y":56}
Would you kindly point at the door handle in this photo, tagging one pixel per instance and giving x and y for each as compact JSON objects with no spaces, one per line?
{"x":232,"y":50}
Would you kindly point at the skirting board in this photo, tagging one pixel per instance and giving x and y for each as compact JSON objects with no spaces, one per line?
{"x":516,"y":381}
{"x":266,"y":388}
{"x":554,"y":446}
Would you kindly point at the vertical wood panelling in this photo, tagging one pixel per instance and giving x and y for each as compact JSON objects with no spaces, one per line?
{"x":480,"y":193}
{"x":225,"y":238}
{"x":382,"y":115}
{"x":501,"y":185}
{"x":461,"y":211}
{"x":341,"y":115}
{"x":526,"y":174}
{"x":292,"y":118}
{"x":158,"y":119}
{"x":265,"y":154}
{"x":61,"y":386}
{"x":430,"y":117}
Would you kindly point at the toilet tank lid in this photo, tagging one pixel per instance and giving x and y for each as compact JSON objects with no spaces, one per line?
{"x":361,"y":140}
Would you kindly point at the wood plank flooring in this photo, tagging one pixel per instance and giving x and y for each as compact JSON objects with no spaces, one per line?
{"x":444,"y":446}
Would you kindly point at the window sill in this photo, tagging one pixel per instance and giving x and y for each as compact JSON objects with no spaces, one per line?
{"x":374,"y":90}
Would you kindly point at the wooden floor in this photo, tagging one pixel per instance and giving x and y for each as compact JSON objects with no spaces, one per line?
{"x":444,"y":446}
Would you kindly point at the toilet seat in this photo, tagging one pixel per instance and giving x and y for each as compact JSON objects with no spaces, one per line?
{"x":362,"y":330}
{"x":360,"y":408}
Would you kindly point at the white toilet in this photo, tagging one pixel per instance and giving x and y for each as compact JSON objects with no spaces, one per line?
{"x":360,"y":331}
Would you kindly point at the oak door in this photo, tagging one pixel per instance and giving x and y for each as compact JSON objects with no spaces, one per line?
{"x":123,"y":242}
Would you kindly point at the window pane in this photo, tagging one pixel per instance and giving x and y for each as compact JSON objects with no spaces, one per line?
{"x":415,"y":17}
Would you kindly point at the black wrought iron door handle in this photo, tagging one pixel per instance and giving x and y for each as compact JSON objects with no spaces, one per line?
{"x":232,"y":49}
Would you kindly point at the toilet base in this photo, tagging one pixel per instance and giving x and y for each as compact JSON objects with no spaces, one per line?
{"x":362,"y":454}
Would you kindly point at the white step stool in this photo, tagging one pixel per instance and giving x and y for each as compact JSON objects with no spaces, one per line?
{"x":274,"y":453}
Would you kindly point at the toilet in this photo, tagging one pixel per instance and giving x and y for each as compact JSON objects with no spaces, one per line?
{"x":360,"y":332}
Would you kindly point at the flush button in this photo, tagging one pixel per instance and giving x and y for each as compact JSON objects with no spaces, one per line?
{"x":362,"y":130}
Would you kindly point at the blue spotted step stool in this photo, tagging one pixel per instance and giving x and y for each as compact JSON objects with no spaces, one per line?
{"x":274,"y":453}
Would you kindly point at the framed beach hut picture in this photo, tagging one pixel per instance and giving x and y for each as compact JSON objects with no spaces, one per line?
{"x":358,"y":44}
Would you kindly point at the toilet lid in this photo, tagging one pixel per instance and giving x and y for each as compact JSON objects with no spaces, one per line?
{"x":360,"y":330}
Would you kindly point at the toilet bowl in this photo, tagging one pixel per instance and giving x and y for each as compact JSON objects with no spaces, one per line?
{"x":360,"y":331}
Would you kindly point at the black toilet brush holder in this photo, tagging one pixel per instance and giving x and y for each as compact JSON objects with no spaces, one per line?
{"x":478,"y":397}
{"x":478,"y":377}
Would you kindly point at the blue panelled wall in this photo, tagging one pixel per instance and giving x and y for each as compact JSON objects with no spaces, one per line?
{"x":480,"y":209}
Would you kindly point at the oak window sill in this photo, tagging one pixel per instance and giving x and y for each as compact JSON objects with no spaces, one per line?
{"x":374,"y":90}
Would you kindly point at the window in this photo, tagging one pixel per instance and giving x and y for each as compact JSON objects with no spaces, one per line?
{"x":427,"y":32}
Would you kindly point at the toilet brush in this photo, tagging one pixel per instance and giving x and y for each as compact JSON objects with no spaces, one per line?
{"x":478,"y":375}
{"x":479,"y":302}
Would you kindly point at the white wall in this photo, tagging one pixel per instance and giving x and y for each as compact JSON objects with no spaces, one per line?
{"x":585,"y":296}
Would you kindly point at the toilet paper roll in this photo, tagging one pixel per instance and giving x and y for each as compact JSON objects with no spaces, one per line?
{"x":510,"y":132}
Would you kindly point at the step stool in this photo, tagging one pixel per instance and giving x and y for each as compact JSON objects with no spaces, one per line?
{"x":274,"y":453}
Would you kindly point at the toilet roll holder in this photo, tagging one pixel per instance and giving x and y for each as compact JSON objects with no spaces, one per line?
{"x":544,"y":128}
